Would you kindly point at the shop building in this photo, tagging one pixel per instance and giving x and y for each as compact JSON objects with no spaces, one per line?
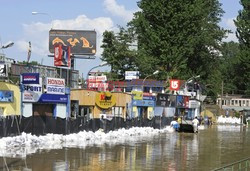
{"x":98,"y":108}
{"x":45,"y":104}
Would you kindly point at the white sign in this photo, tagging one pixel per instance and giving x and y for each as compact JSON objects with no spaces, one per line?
{"x":3,"y":70}
{"x":130,"y":75}
{"x":55,"y":86}
{"x":193,"y":104}
{"x":97,"y":78}
{"x":32,"y":92}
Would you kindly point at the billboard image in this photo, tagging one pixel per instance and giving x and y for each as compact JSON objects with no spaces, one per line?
{"x":62,"y":56}
{"x":6,"y":96}
{"x":81,"y":42}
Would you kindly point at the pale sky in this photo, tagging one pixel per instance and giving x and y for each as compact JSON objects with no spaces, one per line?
{"x":20,"y":26}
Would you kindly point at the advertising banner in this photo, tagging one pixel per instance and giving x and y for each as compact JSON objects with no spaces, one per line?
{"x":3,"y":70}
{"x":32,"y":92}
{"x":130,"y":75}
{"x":94,"y":79}
{"x":55,"y":85}
{"x":6,"y":96}
{"x":53,"y":98}
{"x":81,"y":42}
{"x":62,"y":56}
{"x":30,"y":78}
{"x":165,"y":100}
{"x":182,"y":101}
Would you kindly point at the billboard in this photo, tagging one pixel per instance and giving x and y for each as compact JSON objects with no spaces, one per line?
{"x":165,"y":100}
{"x":182,"y":101}
{"x":130,"y":75}
{"x":3,"y":70}
{"x":81,"y":42}
{"x":62,"y":56}
{"x":6,"y":96}
{"x":55,"y":86}
{"x":30,"y":78}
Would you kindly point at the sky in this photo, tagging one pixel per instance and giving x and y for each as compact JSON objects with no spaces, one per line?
{"x":20,"y":26}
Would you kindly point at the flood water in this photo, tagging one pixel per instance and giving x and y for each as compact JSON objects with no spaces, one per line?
{"x":211,"y":148}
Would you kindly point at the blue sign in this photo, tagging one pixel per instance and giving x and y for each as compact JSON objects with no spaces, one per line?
{"x":143,"y":103}
{"x":53,"y":98}
{"x":30,"y":78}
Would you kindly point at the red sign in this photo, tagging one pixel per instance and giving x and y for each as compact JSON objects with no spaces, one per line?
{"x":174,"y":85}
{"x":62,"y":55}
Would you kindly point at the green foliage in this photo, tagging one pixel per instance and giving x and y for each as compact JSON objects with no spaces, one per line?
{"x":118,"y":52}
{"x":29,"y":63}
{"x":243,"y":65}
{"x":181,"y":38}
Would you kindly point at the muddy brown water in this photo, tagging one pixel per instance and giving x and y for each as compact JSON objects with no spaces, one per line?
{"x":211,"y":148}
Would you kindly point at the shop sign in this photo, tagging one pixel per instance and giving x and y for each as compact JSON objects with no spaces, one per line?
{"x":105,"y":100}
{"x":30,"y":78}
{"x":3,"y":70}
{"x":193,"y":104}
{"x":130,"y":75}
{"x":148,"y":96}
{"x":32,"y":92}
{"x":55,"y":86}
{"x":137,"y":95}
{"x":174,"y":85}
{"x":97,"y":78}
{"x":53,"y":98}
{"x":165,"y":100}
{"x":143,"y":103}
{"x":6,"y":96}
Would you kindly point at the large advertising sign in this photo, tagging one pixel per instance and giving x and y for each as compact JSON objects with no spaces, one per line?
{"x":81,"y":42}
{"x":32,"y":92}
{"x":174,"y":85}
{"x":165,"y":100}
{"x":62,"y":56}
{"x":182,"y":101}
{"x":30,"y":78}
{"x":105,"y":100}
{"x":130,"y":75}
{"x":55,"y":86}
{"x":6,"y":96}
{"x":3,"y":70}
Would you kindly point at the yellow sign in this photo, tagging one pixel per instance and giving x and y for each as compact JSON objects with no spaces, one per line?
{"x":137,"y":95}
{"x":105,"y":100}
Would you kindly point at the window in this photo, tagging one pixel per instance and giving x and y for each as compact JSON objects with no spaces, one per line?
{"x":236,"y":102}
{"x":247,"y":103}
{"x":117,"y":111}
{"x":232,"y":102}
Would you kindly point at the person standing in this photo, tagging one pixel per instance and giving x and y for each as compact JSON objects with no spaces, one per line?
{"x":174,"y":124}
{"x":195,"y":123}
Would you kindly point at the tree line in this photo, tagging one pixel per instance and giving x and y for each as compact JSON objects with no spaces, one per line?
{"x":182,"y":39}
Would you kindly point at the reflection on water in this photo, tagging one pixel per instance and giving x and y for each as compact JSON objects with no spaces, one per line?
{"x":210,"y":148}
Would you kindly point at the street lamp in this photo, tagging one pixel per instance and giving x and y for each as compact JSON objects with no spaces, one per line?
{"x":7,"y":45}
{"x":154,"y":73}
{"x":43,"y":13}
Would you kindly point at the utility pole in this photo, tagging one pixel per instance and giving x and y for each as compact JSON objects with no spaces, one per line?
{"x":222,"y":87}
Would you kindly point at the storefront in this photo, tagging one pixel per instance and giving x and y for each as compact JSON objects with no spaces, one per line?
{"x":47,"y":105}
{"x":94,"y":106}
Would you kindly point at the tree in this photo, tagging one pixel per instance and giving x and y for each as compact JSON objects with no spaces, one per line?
{"x":180,"y":38}
{"x":118,"y":52}
{"x":242,"y":23}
